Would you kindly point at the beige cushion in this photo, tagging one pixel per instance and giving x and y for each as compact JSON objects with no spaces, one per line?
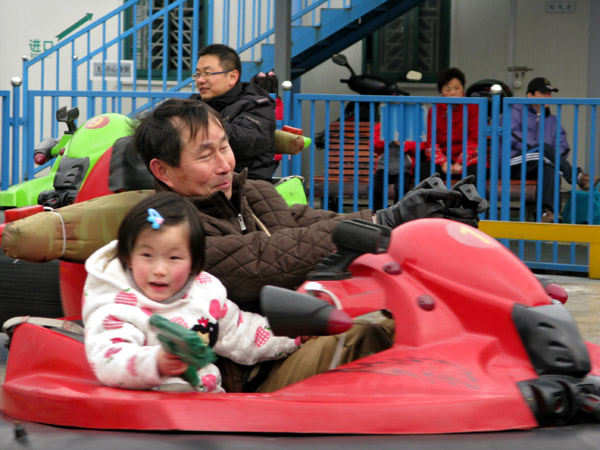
{"x":71,"y":233}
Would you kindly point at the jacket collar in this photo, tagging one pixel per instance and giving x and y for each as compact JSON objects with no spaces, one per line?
{"x":221,"y":101}
{"x":218,"y":205}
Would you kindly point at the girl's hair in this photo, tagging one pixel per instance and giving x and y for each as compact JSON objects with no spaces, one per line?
{"x":267,"y":81}
{"x":449,"y":74}
{"x":174,"y":209}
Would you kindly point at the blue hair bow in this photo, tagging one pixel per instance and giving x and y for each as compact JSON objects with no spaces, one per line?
{"x":155,"y":218}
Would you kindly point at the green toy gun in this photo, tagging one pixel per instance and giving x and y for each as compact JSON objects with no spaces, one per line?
{"x":184,"y":343}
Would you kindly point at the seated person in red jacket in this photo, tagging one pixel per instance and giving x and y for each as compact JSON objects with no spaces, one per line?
{"x":451,"y":83}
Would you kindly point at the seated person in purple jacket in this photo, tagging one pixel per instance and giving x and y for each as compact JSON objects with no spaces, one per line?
{"x":541,"y":88}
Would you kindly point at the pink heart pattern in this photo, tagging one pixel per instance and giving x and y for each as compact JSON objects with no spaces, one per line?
{"x":180,"y":320}
{"x":215,"y":309}
{"x":110,"y":322}
{"x":209,"y":382}
{"x":126,"y":298}
{"x":204,"y":278}
{"x":112,"y":351}
{"x":131,"y":368}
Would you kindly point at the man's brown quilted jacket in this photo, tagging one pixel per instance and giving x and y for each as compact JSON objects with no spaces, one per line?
{"x":256,"y":239}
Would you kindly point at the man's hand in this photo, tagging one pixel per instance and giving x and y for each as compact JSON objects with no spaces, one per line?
{"x":169,"y":364}
{"x":431,"y":199}
{"x":456,"y":168}
{"x":470,"y":204}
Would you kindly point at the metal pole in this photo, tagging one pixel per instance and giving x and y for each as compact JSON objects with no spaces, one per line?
{"x":16,"y":157}
{"x":283,"y":40}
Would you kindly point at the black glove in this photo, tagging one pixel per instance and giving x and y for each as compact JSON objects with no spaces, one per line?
{"x":468,"y":207}
{"x":429,"y":199}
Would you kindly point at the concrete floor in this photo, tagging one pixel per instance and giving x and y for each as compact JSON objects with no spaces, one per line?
{"x":583,"y":304}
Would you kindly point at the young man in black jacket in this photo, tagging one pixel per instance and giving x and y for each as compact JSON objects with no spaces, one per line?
{"x":247,"y":110}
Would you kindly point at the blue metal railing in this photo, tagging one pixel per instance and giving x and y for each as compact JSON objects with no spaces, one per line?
{"x":576,"y":152}
{"x":493,"y":171}
{"x":78,"y":52}
{"x":315,"y":112}
{"x":7,"y":156}
{"x":256,"y":21}
{"x":311,"y":112}
{"x":76,"y":56}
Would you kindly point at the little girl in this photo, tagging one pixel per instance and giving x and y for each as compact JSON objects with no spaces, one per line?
{"x":155,"y":266}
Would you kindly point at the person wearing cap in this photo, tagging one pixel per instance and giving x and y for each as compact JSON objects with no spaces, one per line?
{"x":541,"y":88}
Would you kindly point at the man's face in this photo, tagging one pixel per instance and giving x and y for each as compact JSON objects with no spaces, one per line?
{"x":210,"y":86}
{"x":206,"y":164}
{"x":539,"y":94}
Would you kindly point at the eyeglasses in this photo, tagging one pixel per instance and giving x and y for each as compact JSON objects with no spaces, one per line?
{"x":208,"y":74}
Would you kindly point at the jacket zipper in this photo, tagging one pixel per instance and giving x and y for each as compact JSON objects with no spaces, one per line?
{"x":241,"y":222}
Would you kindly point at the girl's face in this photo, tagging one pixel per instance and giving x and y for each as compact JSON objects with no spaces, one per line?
{"x":453,"y":88}
{"x":161,"y":261}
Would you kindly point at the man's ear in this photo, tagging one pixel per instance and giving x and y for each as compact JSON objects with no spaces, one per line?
{"x":234,"y":77}
{"x":158,"y":168}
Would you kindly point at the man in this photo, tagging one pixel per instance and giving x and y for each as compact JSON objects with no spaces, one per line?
{"x":253,"y":238}
{"x":541,"y":88}
{"x":247,"y":110}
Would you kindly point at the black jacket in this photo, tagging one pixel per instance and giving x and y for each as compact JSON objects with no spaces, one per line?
{"x":249,"y":115}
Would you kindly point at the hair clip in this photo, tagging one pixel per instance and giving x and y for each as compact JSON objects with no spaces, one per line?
{"x":271,"y":73}
{"x":155,"y":218}
{"x":261,"y":75}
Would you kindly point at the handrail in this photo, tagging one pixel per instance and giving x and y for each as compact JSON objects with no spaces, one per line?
{"x":589,"y":234}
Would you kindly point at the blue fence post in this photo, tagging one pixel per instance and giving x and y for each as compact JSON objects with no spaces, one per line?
{"x":494,"y":158}
{"x":15,"y":121}
{"x":296,"y":112}
{"x":287,"y":113}
{"x":504,"y":158}
{"x":27,"y":100}
{"x":482,"y":144}
{"x":5,"y":140}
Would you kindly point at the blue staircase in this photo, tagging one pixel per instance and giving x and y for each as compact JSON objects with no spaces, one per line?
{"x":99,"y":71}
{"x":338,"y":29}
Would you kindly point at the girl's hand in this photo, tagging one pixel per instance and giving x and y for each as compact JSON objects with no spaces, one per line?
{"x":169,"y":364}
{"x":302,"y":339}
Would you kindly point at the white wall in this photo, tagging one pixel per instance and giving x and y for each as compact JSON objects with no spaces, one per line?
{"x":555,"y":46}
{"x":561,"y":47}
{"x":25,"y":20}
